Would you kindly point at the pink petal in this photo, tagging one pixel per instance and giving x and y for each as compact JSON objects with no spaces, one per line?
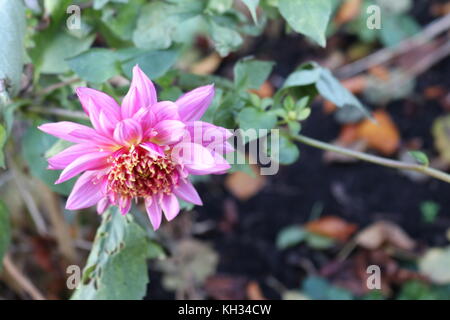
{"x":90,"y":161}
{"x":168,"y":131}
{"x":102,"y":205}
{"x":146,"y":118}
{"x":187,"y":192}
{"x":154,"y":212}
{"x":220,"y":166}
{"x":165,"y":110}
{"x":153,"y":149}
{"x":65,"y":129}
{"x":128,"y":132}
{"x":65,"y":157}
{"x":170,"y":206}
{"x":193,"y":104}
{"x":86,"y":191}
{"x":212,"y":137}
{"x":124,"y":205}
{"x":193,"y":156}
{"x":100,"y":102}
{"x":142,"y":93}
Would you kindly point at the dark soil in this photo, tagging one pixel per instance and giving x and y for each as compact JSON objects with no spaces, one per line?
{"x":360,"y":193}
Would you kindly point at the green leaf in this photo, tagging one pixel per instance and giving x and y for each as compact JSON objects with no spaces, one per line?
{"x":309,"y":17}
{"x":251,"y":74}
{"x":5,"y":231}
{"x":288,"y":152}
{"x":331,"y":89}
{"x":291,"y":236}
{"x":98,"y":4}
{"x":420,"y":157}
{"x":12,"y":31}
{"x":159,"y":23}
{"x":397,"y":28}
{"x":326,"y":84}
{"x":95,"y":65}
{"x":218,"y":6}
{"x":59,"y":48}
{"x":154,"y":63}
{"x":252,"y":5}
{"x":429,"y":211}
{"x":319,"y":288}
{"x":225,"y":39}
{"x":252,"y":118}
{"x":117,"y":265}
{"x":35,"y":144}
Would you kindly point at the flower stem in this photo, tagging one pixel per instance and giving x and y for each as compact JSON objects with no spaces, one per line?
{"x":374,"y":159}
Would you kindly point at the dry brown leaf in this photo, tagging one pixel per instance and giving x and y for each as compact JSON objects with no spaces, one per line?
{"x":333,"y":227}
{"x":208,"y":65}
{"x":254,"y":291}
{"x":384,"y":232}
{"x":265,"y":91}
{"x":382,"y":136}
{"x":434,"y":92}
{"x":348,"y":11}
{"x":243,"y":186}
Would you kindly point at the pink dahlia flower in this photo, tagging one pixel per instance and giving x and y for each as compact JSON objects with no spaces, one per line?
{"x":142,"y":149}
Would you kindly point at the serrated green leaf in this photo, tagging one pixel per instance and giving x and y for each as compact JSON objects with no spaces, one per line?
{"x":308,"y":17}
{"x":116,"y":268}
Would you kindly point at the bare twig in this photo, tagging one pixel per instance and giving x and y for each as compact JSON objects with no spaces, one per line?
{"x":22,"y":281}
{"x":429,"y":32}
{"x":60,"y":227}
{"x":28,"y":198}
{"x":57,"y":86}
{"x":374,"y":159}
{"x":60,"y":112}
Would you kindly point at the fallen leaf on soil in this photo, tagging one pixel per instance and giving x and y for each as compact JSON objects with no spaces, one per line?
{"x":243,"y":186}
{"x":384,"y":232}
{"x":348,"y":11}
{"x":223,"y":287}
{"x":254,"y":291}
{"x":382,"y":136}
{"x":434,"y":92}
{"x":265,"y":91}
{"x":208,"y":65}
{"x":333,"y":227}
{"x":435,"y":265}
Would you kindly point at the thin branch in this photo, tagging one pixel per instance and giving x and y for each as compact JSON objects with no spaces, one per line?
{"x":429,"y":32}
{"x":57,"y":86}
{"x":60,"y":112}
{"x":23,"y":282}
{"x":28,"y":198}
{"x":374,"y":159}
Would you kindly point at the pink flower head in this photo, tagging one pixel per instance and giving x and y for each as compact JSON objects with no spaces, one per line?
{"x":143,"y":149}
